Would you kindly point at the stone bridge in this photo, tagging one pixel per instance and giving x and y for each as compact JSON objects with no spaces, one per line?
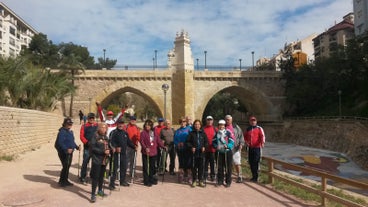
{"x":261,"y":92}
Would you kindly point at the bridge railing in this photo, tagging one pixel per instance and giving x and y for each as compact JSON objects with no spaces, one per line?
{"x":272,"y":175}
{"x":329,"y":118}
{"x":196,"y":68}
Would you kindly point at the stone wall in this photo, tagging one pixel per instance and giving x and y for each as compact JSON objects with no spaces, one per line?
{"x":349,"y":137}
{"x":24,"y":130}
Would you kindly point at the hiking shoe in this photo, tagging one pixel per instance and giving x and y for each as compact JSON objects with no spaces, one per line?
{"x":93,"y":198}
{"x":212,"y":178}
{"x":111,"y":187}
{"x":82,"y":180}
{"x":125,"y":184}
{"x":201,"y":184}
{"x":227,"y":185}
{"x":194,"y":184}
{"x":239,"y":180}
{"x":101,"y":193}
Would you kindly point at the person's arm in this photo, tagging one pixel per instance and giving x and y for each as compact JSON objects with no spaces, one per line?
{"x":81,"y":135}
{"x":99,"y":111}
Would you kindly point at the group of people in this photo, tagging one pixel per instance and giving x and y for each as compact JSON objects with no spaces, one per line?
{"x":204,"y":152}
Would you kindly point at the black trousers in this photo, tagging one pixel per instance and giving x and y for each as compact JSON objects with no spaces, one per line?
{"x":210,"y":160}
{"x":254,"y":156}
{"x":66,"y":161}
{"x":172,"y":154}
{"x":148,"y":168}
{"x":225,"y":161}
{"x":123,"y":168}
{"x":97,"y":175}
{"x":198,"y":167}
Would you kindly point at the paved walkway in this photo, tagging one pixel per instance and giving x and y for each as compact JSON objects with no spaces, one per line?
{"x":32,"y":179}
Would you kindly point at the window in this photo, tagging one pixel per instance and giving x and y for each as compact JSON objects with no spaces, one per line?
{"x":12,"y":30}
{"x":11,"y":41}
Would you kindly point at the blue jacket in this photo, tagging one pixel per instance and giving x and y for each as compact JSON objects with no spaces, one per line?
{"x":65,"y":140}
{"x":181,"y":135}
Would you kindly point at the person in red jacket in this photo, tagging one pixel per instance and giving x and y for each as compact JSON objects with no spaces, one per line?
{"x":255,"y":139}
{"x":210,"y":131}
{"x":87,"y":132}
{"x":134,"y":136}
{"x":149,"y":143}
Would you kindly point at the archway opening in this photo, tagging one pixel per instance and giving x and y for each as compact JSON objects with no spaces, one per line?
{"x":135,"y":102}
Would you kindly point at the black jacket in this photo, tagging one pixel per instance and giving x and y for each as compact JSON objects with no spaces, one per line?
{"x":119,"y":138}
{"x":197,"y":139}
{"x":98,"y":144}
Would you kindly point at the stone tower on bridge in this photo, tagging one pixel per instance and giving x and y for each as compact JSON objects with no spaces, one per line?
{"x":260,"y":92}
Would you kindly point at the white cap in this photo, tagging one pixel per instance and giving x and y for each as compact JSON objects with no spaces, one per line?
{"x":228,"y":116}
{"x":209,"y":117}
{"x":222,"y":122}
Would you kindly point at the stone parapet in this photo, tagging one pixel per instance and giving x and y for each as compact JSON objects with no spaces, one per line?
{"x":24,"y":130}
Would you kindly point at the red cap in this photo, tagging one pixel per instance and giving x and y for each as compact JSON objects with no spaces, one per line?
{"x":252,"y":118}
{"x":110,"y":113}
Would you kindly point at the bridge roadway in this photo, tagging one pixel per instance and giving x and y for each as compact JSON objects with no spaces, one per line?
{"x":31,"y":180}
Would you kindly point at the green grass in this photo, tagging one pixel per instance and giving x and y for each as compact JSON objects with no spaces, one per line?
{"x":7,"y":157}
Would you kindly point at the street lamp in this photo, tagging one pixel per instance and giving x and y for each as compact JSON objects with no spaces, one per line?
{"x":240,"y":64}
{"x":205,"y":59}
{"x":252,"y":60}
{"x":104,"y":51}
{"x":165,"y":87}
{"x":339,"y":93}
{"x":153,"y":63}
{"x":156,"y":59}
{"x":197,"y":64}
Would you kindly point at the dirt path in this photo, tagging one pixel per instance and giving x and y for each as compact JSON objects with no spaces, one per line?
{"x":31,"y":180}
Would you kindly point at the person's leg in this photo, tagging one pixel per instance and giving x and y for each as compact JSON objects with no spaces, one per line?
{"x":86,"y":158}
{"x":220,"y":172}
{"x":172,"y":154}
{"x":229,"y":168}
{"x":152,"y":168}
{"x":212,"y":165}
{"x":114,"y":170}
{"x":62,"y":157}
{"x":123,"y":168}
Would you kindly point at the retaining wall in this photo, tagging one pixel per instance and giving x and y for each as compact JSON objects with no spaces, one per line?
{"x":23,"y":130}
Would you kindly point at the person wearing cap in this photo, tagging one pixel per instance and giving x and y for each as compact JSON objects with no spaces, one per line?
{"x":238,"y":136}
{"x":255,"y":139}
{"x":65,"y":146}
{"x":134,"y":135}
{"x":109,"y":118}
{"x":157,"y":129}
{"x":210,"y":131}
{"x":87,"y":132}
{"x":184,"y":155}
{"x":224,"y":143}
{"x":167,"y":136}
{"x":119,"y":142}
{"x":197,"y":142}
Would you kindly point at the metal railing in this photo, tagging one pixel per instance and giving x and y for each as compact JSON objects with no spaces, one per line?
{"x":165,"y":67}
{"x":324,"y":177}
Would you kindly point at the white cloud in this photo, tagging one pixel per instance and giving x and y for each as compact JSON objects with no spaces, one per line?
{"x":131,"y":30}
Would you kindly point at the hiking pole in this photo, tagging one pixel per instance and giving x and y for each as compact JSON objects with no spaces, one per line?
{"x":134,"y":164}
{"x":226,"y":164}
{"x":163,"y":164}
{"x":79,"y":160}
{"x":204,"y":163}
{"x":111,"y":171}
{"x":217,"y":161}
{"x":159,"y":166}
{"x":148,"y":165}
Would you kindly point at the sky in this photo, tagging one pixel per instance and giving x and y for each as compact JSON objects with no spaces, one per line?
{"x":131,"y":30}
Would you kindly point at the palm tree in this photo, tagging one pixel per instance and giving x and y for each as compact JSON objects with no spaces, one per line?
{"x":71,"y":63}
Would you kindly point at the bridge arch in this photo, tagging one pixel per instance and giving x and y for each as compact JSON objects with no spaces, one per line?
{"x":110,"y":92}
{"x":251,"y":97}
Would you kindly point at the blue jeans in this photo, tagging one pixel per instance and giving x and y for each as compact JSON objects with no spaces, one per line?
{"x":86,"y":158}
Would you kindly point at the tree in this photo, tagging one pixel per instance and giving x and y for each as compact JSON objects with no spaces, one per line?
{"x":107,"y":63}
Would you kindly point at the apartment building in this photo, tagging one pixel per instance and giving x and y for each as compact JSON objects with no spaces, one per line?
{"x":360,"y":16}
{"x":15,"y":33}
{"x":328,"y":41}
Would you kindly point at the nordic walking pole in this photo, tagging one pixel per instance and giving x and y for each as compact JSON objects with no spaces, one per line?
{"x":163,"y":165}
{"x":134,"y":164}
{"x":217,"y":161}
{"x":111,"y":171}
{"x":204,"y":163}
{"x":148,"y":171}
{"x":79,"y":160}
